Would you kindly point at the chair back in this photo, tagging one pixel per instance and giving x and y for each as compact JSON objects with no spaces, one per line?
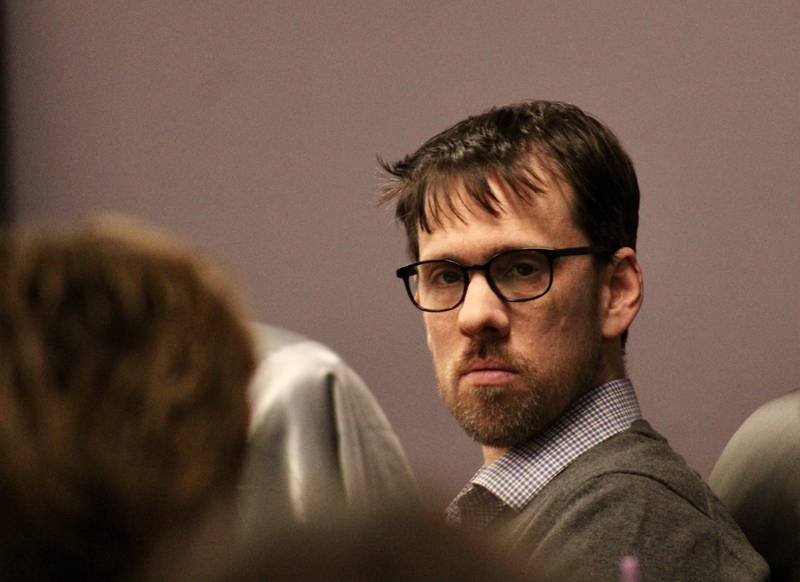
{"x":758,"y":478}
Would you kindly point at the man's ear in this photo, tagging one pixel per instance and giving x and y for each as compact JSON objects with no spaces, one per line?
{"x":622,"y":293}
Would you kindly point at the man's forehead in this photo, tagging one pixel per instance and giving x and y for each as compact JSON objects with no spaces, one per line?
{"x":466,"y":230}
{"x":453,"y":203}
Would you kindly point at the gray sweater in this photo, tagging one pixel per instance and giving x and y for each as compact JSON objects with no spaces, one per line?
{"x":630,"y":495}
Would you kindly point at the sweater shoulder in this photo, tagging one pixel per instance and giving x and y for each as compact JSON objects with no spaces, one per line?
{"x":643,"y":457}
{"x":632,"y":495}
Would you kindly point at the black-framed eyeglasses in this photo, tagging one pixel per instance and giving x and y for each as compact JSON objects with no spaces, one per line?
{"x":515,"y":276}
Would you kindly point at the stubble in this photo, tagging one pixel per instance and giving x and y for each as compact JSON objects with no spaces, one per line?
{"x":508,"y":414}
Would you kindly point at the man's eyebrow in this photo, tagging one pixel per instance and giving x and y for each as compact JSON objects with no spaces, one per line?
{"x":488,"y":254}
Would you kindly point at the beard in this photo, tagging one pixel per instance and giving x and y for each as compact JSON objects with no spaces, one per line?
{"x":503,"y":415}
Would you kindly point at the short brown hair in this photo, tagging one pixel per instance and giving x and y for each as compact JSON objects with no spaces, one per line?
{"x":500,"y":143}
{"x":124,"y":363}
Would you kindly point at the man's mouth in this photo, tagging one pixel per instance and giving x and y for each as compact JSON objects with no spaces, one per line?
{"x":487,"y":372}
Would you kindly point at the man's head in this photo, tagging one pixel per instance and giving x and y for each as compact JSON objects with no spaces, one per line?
{"x":564,"y":140}
{"x":124,"y":362}
{"x":531,"y":175}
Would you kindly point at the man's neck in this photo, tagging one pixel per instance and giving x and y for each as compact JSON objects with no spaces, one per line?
{"x":491,"y":454}
{"x":613,"y":372}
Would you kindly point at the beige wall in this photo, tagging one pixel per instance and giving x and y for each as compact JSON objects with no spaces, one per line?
{"x":252,"y":128}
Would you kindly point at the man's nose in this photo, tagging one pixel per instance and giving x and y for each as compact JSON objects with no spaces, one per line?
{"x":482,"y":310}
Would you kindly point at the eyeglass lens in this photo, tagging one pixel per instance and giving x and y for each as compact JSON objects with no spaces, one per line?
{"x":516,"y":275}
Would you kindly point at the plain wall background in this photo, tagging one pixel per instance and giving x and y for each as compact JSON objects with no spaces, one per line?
{"x":251,"y":128}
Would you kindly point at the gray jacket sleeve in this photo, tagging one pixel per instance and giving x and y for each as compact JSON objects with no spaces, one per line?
{"x":318,"y":438}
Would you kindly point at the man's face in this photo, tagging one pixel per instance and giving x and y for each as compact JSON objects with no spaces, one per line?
{"x":508,"y":370}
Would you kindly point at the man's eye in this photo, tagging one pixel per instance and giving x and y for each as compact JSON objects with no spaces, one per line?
{"x":441,"y":276}
{"x":447,"y":277}
{"x":521,"y":270}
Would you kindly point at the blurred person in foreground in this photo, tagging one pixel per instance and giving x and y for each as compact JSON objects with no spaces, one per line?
{"x":351,"y":546}
{"x":522,"y":225}
{"x":124,"y":364}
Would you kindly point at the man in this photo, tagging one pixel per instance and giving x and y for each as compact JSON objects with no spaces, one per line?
{"x":124,"y":367}
{"x":522,"y":224}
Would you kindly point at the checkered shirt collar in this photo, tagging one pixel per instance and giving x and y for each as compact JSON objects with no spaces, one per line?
{"x":517,"y":476}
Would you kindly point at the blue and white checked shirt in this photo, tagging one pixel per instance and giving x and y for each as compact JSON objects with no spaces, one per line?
{"x":516,"y":477}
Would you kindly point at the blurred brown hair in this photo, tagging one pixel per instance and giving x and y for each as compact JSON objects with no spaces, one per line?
{"x":124,"y":362}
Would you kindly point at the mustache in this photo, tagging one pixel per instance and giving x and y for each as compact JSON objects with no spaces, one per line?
{"x":486,"y":349}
